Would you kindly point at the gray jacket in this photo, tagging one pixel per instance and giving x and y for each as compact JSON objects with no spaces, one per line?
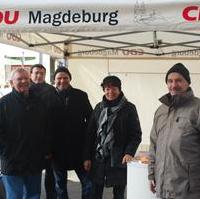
{"x":175,"y":147}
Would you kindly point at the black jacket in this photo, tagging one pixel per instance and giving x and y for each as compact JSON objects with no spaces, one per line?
{"x":127,"y":134}
{"x":47,"y":93}
{"x":69,"y":139}
{"x":23,"y":126}
{"x":50,"y":99}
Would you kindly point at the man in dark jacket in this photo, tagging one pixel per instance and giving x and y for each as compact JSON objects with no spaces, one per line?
{"x":113,"y":137}
{"x":44,"y":90}
{"x":23,"y":144}
{"x":48,"y":95}
{"x":68,"y":149}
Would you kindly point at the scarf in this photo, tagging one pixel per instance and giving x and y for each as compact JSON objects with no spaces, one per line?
{"x":105,"y":134}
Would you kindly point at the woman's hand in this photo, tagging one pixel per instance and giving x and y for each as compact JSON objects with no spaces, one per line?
{"x":127,"y":158}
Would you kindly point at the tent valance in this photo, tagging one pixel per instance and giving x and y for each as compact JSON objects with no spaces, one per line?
{"x":78,"y":15}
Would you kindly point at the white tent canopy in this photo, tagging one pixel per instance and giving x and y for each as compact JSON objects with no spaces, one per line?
{"x":141,"y":27}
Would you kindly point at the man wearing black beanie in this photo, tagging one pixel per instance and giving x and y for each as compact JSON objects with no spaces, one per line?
{"x":181,"y":69}
{"x":175,"y":140}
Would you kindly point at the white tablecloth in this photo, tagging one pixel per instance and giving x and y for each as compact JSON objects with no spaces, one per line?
{"x":137,"y":182}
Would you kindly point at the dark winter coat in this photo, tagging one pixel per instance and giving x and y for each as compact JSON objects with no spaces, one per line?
{"x":23,"y":143}
{"x":47,"y":93}
{"x":127,"y":137}
{"x":50,"y":99}
{"x":74,"y":113}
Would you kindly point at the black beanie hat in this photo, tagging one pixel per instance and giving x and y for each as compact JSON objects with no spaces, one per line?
{"x":111,"y":80}
{"x":62,"y":70}
{"x":181,"y":69}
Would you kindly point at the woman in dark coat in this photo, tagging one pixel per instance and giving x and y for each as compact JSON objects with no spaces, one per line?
{"x":114,"y":134}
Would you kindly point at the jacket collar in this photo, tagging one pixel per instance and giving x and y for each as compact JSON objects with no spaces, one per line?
{"x":177,"y":100}
{"x":64,"y":91}
{"x":21,"y":95}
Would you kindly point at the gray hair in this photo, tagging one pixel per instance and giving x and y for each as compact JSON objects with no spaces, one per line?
{"x":18,"y":70}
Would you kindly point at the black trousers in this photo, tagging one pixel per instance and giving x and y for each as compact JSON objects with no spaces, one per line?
{"x":49,"y":181}
{"x":118,"y":191}
{"x":61,"y":182}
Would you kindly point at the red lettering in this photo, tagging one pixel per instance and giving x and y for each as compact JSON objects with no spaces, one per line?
{"x":1,"y":17}
{"x":186,"y":13}
{"x":11,"y":21}
{"x":7,"y":18}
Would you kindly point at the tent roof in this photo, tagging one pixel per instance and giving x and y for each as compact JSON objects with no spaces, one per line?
{"x":130,"y":26}
{"x":156,"y":43}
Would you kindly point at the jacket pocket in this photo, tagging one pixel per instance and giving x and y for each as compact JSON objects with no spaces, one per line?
{"x":184,"y":124}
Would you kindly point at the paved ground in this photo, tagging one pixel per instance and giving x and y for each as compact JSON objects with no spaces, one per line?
{"x":74,"y":188}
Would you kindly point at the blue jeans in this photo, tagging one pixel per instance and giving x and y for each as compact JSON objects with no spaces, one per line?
{"x":22,"y":187}
{"x":61,"y":183}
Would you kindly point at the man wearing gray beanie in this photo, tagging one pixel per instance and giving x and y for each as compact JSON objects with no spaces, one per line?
{"x":175,"y":140}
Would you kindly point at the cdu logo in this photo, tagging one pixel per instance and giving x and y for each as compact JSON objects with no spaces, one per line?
{"x":9,"y":17}
{"x":191,"y":13}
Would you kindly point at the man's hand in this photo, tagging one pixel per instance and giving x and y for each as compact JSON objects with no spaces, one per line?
{"x":87,"y":165}
{"x":152,"y":186}
{"x":127,"y":158}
